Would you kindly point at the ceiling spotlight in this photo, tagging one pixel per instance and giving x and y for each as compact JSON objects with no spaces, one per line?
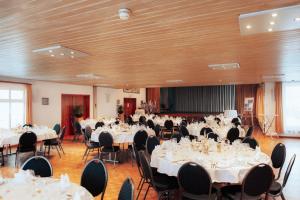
{"x":270,"y":30}
{"x":124,"y":13}
{"x":72,"y":52}
{"x":62,"y":54}
{"x":248,"y":26}
{"x":272,"y":23}
{"x":50,"y":51}
{"x":52,"y":55}
{"x":274,"y":14}
{"x":297,"y":19}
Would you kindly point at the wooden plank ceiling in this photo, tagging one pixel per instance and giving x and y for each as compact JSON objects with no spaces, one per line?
{"x":162,"y":40}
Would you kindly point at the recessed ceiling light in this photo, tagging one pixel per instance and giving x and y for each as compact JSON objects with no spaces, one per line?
{"x":274,"y":14}
{"x":59,"y":52}
{"x":297,"y":19}
{"x":272,"y":23}
{"x":72,"y":52}
{"x":225,"y":66}
{"x":62,"y":54}
{"x":270,"y":30}
{"x":124,"y":13}
{"x":174,"y":81}
{"x":52,"y":55}
{"x":50,"y":51}
{"x":248,"y":26}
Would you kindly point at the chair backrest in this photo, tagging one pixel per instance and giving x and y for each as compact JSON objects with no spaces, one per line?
{"x":278,"y":156}
{"x":157,"y":130}
{"x":40,"y":165}
{"x":177,"y":136}
{"x":94,"y":177}
{"x":194,"y":179}
{"x":142,"y":120}
{"x":234,"y":120}
{"x":202,"y":119}
{"x":150,"y":124}
{"x":27,"y":125}
{"x":288,"y":170}
{"x":140,"y":139}
{"x":57,"y":128}
{"x":138,"y":160}
{"x":212,"y":135}
{"x":233,"y":134}
{"x":249,"y":131}
{"x":88,"y":132}
{"x":127,"y":190}
{"x":258,"y":180}
{"x":205,"y":131}
{"x":151,"y":142}
{"x":129,"y":120}
{"x":99,"y":124}
{"x":184,"y":131}
{"x":105,"y":139}
{"x":218,"y":120}
{"x":251,"y":141}
{"x":27,"y":141}
{"x":148,"y":176}
{"x":62,"y":134}
{"x":77,"y":127}
{"x":169,"y":125}
{"x":117,"y":122}
{"x":184,"y":123}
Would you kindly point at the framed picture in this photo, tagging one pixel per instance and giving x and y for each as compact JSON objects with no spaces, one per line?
{"x":248,"y":104}
{"x":132,"y":90}
{"x":45,"y":101}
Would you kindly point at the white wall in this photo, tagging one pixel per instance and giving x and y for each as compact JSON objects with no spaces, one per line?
{"x":50,"y":114}
{"x":107,"y":100}
{"x":270,"y":103}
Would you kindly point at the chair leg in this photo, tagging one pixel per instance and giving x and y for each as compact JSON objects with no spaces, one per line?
{"x":139,"y":184}
{"x":2,"y":164}
{"x":146,"y":192}
{"x":87,"y":155}
{"x":16,"y":159}
{"x":86,"y":150}
{"x":115,"y":158}
{"x":60,"y":146}
{"x":57,"y":150}
{"x":143,"y":182}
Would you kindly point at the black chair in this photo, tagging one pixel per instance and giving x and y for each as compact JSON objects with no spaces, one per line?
{"x":277,"y":188}
{"x":233,"y":134}
{"x":27,"y":143}
{"x":150,"y":124}
{"x":40,"y":165}
{"x":162,"y":184}
{"x":214,"y":136}
{"x":127,"y":190}
{"x":249,"y":131}
{"x":195,"y":182}
{"x":94,"y":177}
{"x":27,"y":125}
{"x":140,"y":139}
{"x":157,"y":130}
{"x":99,"y":124}
{"x":184,"y":123}
{"x":204,"y":131}
{"x":117,"y":122}
{"x":142,"y":120}
{"x":2,"y":155}
{"x":168,"y":130}
{"x":278,"y":158}
{"x":251,"y":141}
{"x":184,"y":131}
{"x":256,"y":183}
{"x":57,"y":128}
{"x":90,"y":146}
{"x":129,"y":120}
{"x":218,"y":120}
{"x":138,"y":163}
{"x":235,"y":120}
{"x":77,"y":131}
{"x":57,"y":142}
{"x":177,"y":136}
{"x":106,"y":142}
{"x":151,"y":142}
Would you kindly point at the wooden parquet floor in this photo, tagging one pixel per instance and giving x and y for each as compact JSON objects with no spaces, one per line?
{"x":72,"y":164}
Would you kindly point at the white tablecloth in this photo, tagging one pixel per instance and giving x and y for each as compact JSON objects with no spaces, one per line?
{"x":35,"y":188}
{"x":12,"y":136}
{"x":121,"y":133}
{"x":92,"y":122}
{"x":229,"y":165}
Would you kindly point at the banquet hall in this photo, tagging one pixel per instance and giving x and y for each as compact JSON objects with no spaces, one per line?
{"x":131,"y":100}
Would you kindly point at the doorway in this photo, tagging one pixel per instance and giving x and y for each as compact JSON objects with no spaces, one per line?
{"x":71,"y":103}
{"x":129,"y":106}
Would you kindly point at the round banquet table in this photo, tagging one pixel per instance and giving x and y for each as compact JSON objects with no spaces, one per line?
{"x":226,"y":164}
{"x":30,"y":188}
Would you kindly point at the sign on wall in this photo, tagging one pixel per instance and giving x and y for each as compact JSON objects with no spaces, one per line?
{"x":248,"y":104}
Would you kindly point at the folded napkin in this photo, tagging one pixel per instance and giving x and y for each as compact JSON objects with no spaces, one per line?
{"x":64,"y":182}
{"x":23,"y":176}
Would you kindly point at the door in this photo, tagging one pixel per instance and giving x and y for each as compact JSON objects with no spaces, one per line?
{"x":68,"y":104}
{"x":129,"y":106}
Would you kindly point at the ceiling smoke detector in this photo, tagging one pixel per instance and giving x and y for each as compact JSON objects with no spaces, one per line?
{"x":124,"y":13}
{"x":226,"y":66}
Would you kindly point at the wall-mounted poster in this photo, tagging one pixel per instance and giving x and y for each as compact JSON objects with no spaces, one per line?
{"x":132,"y":90}
{"x":248,"y":104}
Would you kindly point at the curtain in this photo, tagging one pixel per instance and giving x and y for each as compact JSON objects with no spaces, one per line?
{"x":28,"y":103}
{"x":260,"y":109}
{"x":153,"y":98}
{"x":278,"y":107}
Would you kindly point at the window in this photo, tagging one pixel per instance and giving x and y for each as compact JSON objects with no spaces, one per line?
{"x":291,"y":107}
{"x":12,"y":105}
